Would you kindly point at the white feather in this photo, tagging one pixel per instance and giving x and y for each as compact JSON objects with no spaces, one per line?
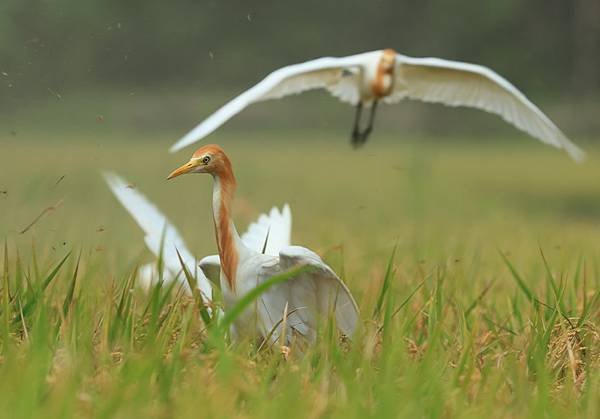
{"x":273,"y":229}
{"x":351,"y":80}
{"x":323,"y":72}
{"x":277,"y":226}
{"x":211,"y":267}
{"x":455,"y":83}
{"x":309,"y":297}
{"x":158,"y":230}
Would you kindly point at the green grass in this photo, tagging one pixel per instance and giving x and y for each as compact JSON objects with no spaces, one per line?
{"x":489,"y":304}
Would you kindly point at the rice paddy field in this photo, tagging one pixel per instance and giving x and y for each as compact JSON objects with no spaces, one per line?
{"x":475,"y":264}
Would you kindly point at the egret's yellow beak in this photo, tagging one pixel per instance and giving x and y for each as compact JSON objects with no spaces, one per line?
{"x":182,"y":170}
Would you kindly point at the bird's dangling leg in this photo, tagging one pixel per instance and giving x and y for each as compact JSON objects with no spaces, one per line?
{"x":356,"y":134}
{"x":359,"y":138}
{"x":366,"y":132}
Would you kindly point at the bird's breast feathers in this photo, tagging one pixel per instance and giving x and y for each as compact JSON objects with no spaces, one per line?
{"x":378,"y":77}
{"x":382,"y":85}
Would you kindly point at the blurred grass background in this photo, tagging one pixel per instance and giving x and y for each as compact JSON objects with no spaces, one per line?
{"x":435,"y":199}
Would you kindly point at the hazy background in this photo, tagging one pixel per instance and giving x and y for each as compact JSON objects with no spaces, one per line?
{"x":87,"y":86}
{"x":155,"y":65}
{"x":68,"y":43}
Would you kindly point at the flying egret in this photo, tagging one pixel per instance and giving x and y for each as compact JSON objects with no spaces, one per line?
{"x":363,"y":80}
{"x":268,"y":234}
{"x":303,"y":300}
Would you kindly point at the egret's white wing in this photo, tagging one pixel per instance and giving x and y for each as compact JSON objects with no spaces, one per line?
{"x":347,"y":88}
{"x":211,"y":267}
{"x":310,"y":297}
{"x":158,"y":230}
{"x":324,"y":72}
{"x":275,"y":229}
{"x":455,"y":83}
{"x":147,"y":275}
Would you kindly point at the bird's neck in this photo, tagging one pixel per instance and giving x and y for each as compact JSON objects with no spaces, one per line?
{"x":383,"y":80}
{"x":228,"y":239}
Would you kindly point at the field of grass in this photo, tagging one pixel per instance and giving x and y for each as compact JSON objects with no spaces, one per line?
{"x":489,"y":304}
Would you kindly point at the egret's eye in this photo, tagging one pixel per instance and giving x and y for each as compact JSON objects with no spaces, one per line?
{"x":205,"y":159}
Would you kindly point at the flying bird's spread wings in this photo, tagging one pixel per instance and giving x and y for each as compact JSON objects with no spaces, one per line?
{"x":455,"y":83}
{"x":327,"y":72}
{"x":436,"y":80}
{"x":310,"y":297}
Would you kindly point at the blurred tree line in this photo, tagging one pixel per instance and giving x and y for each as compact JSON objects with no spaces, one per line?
{"x":551,"y":47}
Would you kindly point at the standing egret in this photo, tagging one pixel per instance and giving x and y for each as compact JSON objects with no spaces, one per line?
{"x":268,"y":234}
{"x":303,"y":300}
{"x":363,"y":80}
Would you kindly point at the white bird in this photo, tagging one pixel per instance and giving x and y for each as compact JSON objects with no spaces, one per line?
{"x":305,"y":300}
{"x":363,"y":80}
{"x":268,"y":234}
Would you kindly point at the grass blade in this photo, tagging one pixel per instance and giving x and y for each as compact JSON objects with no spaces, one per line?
{"x":387,"y":279}
{"x":6,"y":309}
{"x":520,"y":282}
{"x":408,"y":298}
{"x":71,"y":291}
{"x":37,"y":293}
{"x":192,"y":283}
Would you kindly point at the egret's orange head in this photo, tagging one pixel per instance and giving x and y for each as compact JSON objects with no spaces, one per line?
{"x":388,"y":60}
{"x":207,"y":159}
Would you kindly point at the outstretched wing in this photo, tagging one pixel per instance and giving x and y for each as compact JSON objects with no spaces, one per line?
{"x":455,"y":83}
{"x":274,"y":229}
{"x":310,"y":297}
{"x":158,"y":230}
{"x":326,"y":72}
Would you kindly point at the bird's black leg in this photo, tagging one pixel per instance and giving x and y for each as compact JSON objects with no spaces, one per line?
{"x":356,"y":134}
{"x":360,"y":138}
{"x":367,"y":131}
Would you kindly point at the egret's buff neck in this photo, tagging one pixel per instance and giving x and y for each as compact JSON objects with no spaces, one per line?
{"x":223,"y":192}
{"x":384,"y":76}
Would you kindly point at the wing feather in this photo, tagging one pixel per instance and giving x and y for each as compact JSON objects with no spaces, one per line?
{"x":275,"y":228}
{"x":331,"y":292}
{"x":347,"y":88}
{"x":158,"y":230}
{"x":310,"y":297}
{"x":211,"y":267}
{"x":292,"y":79}
{"x":455,"y":83}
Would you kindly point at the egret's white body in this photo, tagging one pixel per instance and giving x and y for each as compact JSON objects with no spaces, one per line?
{"x":384,"y":75}
{"x":305,"y":300}
{"x":269,"y":233}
